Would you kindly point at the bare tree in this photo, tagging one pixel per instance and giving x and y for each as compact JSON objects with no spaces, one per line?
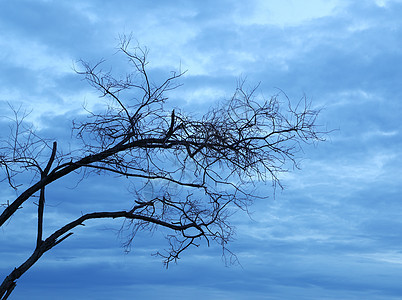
{"x":204,"y":167}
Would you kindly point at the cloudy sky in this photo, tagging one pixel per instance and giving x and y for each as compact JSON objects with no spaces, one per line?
{"x":334,"y":232}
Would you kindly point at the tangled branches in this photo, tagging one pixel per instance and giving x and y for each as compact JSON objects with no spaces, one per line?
{"x":202,"y":168}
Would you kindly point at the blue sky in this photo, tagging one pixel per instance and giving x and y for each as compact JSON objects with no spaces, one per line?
{"x":334,"y":232}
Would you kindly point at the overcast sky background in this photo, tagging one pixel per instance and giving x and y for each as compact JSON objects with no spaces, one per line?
{"x":335,"y":232}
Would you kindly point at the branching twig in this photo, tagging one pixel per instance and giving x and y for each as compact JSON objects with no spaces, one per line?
{"x":202,"y":169}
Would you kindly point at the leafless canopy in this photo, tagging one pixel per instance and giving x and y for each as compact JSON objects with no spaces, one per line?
{"x":201,"y":168}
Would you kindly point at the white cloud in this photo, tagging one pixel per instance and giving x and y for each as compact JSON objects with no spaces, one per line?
{"x":385,"y":3}
{"x":359,"y":25}
{"x":284,"y":12}
{"x":200,"y":95}
{"x":390,"y":257}
{"x":347,"y":174}
{"x":34,"y":56}
{"x":379,"y":133}
{"x":86,"y":10}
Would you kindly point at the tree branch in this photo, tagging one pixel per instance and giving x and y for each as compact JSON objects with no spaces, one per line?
{"x":41,"y":203}
{"x":60,"y":235}
{"x":210,"y":165}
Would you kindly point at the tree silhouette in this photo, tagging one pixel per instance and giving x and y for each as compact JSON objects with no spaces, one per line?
{"x":204,"y":167}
